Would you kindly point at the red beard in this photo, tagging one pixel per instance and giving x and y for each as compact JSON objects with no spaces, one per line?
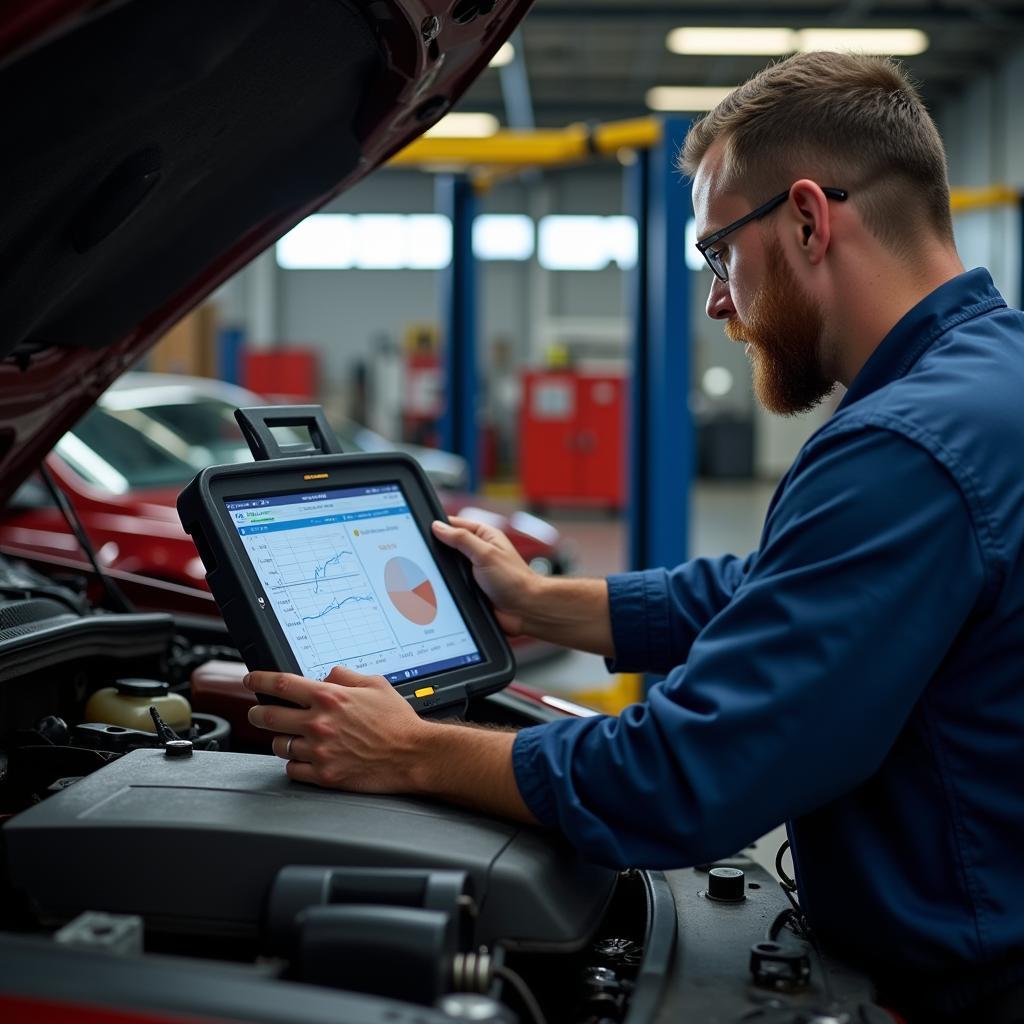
{"x":784,"y":330}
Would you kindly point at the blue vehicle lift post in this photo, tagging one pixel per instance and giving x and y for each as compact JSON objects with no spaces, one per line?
{"x":458,"y":424}
{"x":662,"y":448}
{"x":1020,"y":268}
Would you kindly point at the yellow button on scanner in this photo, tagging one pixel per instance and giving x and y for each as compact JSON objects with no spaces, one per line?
{"x":425,"y":691}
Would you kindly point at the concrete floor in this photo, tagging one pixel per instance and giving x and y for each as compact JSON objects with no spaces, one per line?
{"x":727,"y":517}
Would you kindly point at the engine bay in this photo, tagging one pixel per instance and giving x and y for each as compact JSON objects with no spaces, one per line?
{"x":128,"y":857}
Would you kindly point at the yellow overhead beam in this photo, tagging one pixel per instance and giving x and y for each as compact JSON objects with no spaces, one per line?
{"x":545,"y":147}
{"x":503,"y":154}
{"x":962,"y":200}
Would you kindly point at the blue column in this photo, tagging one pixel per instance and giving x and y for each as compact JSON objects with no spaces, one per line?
{"x":637,"y":180}
{"x":230,"y":349}
{"x":1020,"y":269}
{"x":662,"y":435}
{"x":458,"y":425}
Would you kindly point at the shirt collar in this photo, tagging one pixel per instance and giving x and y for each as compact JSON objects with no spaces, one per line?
{"x":960,"y":299}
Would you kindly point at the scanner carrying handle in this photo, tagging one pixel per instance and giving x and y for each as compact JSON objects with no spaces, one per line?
{"x":256,"y":427}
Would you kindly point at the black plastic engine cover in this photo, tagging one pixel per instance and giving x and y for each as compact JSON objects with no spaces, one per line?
{"x":193,"y":845}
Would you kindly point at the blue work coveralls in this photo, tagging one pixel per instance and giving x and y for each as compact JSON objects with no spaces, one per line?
{"x":860,"y":676}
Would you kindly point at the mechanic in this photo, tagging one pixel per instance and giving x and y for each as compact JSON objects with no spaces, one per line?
{"x":859,"y":675}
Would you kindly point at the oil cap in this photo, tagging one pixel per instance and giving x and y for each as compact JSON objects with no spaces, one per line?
{"x":178,"y":748}
{"x":726,"y":885}
{"x":141,"y":687}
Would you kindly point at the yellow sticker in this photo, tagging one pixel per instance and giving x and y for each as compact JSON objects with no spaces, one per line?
{"x":426,"y":691}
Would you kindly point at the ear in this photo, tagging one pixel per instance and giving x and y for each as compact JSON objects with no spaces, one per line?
{"x":809,"y":220}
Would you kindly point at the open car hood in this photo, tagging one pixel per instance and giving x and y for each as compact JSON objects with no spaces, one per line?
{"x":154,"y":147}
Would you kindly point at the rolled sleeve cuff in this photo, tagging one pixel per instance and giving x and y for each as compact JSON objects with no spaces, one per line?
{"x":531,"y":774}
{"x":639,"y":607}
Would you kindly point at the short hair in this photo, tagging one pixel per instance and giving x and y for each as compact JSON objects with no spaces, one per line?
{"x":848,"y":120}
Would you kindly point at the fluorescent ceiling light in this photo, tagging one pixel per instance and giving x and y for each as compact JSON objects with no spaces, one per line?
{"x":896,"y":42}
{"x":464,"y":126}
{"x":758,"y":41}
{"x":893,"y":42}
{"x":696,"y":98}
{"x":504,"y":56}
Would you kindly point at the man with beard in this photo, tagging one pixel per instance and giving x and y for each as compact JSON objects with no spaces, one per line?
{"x":859,"y":674}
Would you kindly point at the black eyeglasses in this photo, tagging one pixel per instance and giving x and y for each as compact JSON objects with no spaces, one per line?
{"x":714,"y":256}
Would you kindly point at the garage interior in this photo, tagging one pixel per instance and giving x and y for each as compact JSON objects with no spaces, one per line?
{"x":375,"y":336}
{"x":362,"y":330}
{"x":515,"y":302}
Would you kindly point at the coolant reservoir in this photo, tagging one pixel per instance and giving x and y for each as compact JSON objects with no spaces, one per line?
{"x":128,"y":701}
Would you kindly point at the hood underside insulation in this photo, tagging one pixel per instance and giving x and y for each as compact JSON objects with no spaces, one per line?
{"x":151,"y":139}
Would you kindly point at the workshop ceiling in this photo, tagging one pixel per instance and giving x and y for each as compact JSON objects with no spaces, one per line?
{"x":596,"y":59}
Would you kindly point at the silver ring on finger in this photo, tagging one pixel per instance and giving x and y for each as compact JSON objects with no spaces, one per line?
{"x":288,"y":747}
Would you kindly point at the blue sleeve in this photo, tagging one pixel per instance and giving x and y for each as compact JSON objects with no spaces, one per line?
{"x":657,"y":614}
{"x":795,"y":691}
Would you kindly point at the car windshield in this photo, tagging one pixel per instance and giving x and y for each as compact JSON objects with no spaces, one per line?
{"x":113,"y":455}
{"x":207,"y":427}
{"x":203,"y":432}
{"x":347,"y":433}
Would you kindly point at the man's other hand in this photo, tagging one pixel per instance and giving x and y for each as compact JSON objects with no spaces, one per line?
{"x":350,"y":732}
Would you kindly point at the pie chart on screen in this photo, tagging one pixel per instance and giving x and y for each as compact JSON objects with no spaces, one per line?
{"x":410,"y":591}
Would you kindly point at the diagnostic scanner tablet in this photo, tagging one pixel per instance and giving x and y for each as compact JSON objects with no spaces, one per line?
{"x":317,"y":558}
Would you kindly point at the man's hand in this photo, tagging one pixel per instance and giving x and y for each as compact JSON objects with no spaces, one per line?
{"x":497,"y":567}
{"x":357,"y":733}
{"x":570,"y":612}
{"x":351,"y":732}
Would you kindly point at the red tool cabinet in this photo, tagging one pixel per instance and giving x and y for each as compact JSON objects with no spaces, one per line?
{"x":282,"y":374}
{"x":572,"y":438}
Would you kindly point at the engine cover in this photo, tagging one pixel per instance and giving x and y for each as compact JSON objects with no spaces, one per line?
{"x":194,"y":844}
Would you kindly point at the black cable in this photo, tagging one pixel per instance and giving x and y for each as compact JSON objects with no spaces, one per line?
{"x":786,"y":919}
{"x":792,"y":899}
{"x":113,"y":591}
{"x":523,"y":991}
{"x":786,"y":882}
{"x":788,"y":886}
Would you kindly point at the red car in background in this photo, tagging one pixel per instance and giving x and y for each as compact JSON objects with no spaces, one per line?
{"x":124,"y":463}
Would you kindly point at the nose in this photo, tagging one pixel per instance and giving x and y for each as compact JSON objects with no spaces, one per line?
{"x":720,"y":305}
